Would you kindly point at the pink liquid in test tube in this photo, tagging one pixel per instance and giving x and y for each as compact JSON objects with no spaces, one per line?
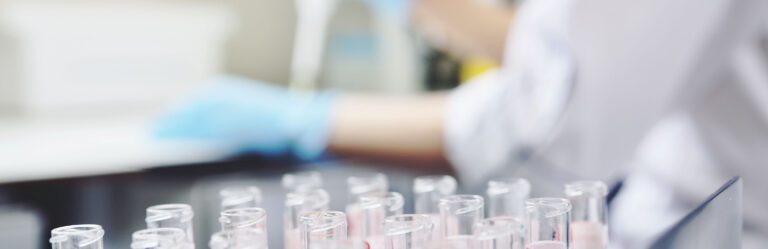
{"x":589,"y":226}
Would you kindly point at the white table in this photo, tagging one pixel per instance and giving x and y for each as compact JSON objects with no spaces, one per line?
{"x":71,"y":147}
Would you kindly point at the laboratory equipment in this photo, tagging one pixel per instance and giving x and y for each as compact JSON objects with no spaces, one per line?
{"x":548,"y":223}
{"x":313,"y":17}
{"x":322,"y":226}
{"x":719,"y":219}
{"x":243,"y":228}
{"x":409,"y":231}
{"x":302,"y":181}
{"x":589,"y":214}
{"x":297,"y":203}
{"x":458,"y":215}
{"x":500,"y":233}
{"x":159,"y":238}
{"x":172,"y":216}
{"x":234,"y":198}
{"x":427,"y":191}
{"x":358,"y":186}
{"x":375,"y":207}
{"x":240,"y":197}
{"x":77,"y":237}
{"x":506,"y":197}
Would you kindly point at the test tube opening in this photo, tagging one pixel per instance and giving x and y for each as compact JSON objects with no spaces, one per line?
{"x":375,"y":207}
{"x":240,"y":197}
{"x":427,"y":191}
{"x":158,"y":238}
{"x":458,"y":215}
{"x":174,"y":215}
{"x":358,"y":185}
{"x":506,"y":197}
{"x":77,"y":236}
{"x":297,"y":203}
{"x":548,"y":223}
{"x":302,"y":181}
{"x":408,"y":231}
{"x":322,"y":226}
{"x":242,"y":218}
{"x":243,"y":228}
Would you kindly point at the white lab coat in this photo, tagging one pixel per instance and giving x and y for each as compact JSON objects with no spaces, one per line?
{"x":676,"y":91}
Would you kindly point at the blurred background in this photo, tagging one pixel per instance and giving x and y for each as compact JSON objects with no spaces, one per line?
{"x":81,"y":83}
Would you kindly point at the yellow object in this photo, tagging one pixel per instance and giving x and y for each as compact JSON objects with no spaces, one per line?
{"x":474,"y":66}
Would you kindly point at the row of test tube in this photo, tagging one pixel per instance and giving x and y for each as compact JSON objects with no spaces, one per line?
{"x":443,"y":219}
{"x":374,"y":218}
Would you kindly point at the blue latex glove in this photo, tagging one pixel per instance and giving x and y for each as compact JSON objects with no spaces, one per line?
{"x":253,"y":117}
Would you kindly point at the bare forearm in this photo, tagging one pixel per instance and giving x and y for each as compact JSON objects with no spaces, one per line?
{"x":397,"y":128}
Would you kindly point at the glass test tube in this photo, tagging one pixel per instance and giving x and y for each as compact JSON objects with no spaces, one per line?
{"x":589,"y":215}
{"x":302,"y":181}
{"x":410,"y":231}
{"x":506,"y":197}
{"x":548,"y":220}
{"x":458,"y":215}
{"x":358,"y":186}
{"x":244,"y":228}
{"x":159,"y":238}
{"x":297,"y":203}
{"x":240,"y":197}
{"x":322,"y":226}
{"x":172,"y":216}
{"x":77,"y":237}
{"x":500,"y":233}
{"x":375,"y":208}
{"x":427,"y":191}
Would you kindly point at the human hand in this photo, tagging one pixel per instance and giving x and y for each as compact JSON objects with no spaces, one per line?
{"x":252,"y":116}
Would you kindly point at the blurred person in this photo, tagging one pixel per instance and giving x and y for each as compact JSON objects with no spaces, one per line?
{"x":588,"y":88}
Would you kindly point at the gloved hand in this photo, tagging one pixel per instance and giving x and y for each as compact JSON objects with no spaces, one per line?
{"x":253,"y":117}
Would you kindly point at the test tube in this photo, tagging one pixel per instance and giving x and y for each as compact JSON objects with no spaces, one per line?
{"x":172,"y":216}
{"x":358,"y":186}
{"x":427,"y":191}
{"x":322,"y":226}
{"x":589,"y":227}
{"x":297,"y":203}
{"x":506,"y":197}
{"x":244,"y":228}
{"x":77,"y":237}
{"x":302,"y":181}
{"x":500,"y":233}
{"x":409,"y":231}
{"x":548,"y":220}
{"x":159,"y":238}
{"x":459,"y":214}
{"x":375,"y":208}
{"x":240,"y":197}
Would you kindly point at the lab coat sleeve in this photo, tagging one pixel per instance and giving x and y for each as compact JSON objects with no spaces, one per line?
{"x":638,"y":62}
{"x":497,"y":120}
{"x":584,"y":81}
{"x":477,"y":134}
